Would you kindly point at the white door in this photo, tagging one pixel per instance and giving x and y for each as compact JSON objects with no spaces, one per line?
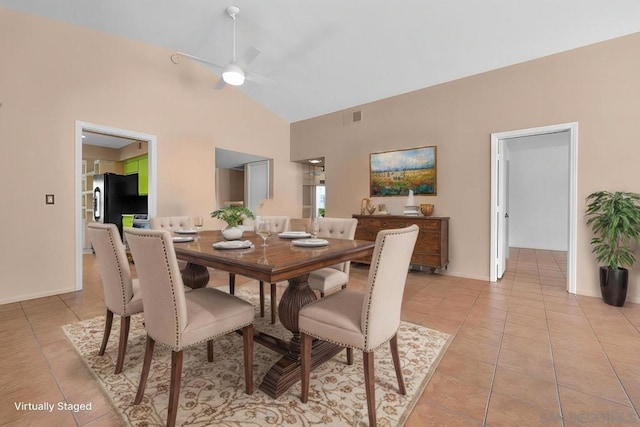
{"x":257,"y":183}
{"x":506,"y":201}
{"x":499,"y":212}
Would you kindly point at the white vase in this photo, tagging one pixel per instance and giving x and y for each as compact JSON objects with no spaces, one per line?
{"x":232,"y":233}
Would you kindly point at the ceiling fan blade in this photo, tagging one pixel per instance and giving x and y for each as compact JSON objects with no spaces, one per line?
{"x":260,"y":79}
{"x":250,"y":54}
{"x":219,"y":84}
{"x":206,"y":61}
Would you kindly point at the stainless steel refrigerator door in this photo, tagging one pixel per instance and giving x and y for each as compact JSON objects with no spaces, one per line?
{"x":98,"y":198}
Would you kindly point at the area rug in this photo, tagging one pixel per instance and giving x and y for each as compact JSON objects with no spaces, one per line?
{"x":212,"y":394}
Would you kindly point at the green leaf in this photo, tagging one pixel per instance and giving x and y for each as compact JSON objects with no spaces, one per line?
{"x":614,"y":219}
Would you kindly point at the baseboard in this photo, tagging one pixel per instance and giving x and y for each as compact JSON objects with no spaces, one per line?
{"x":37,"y":295}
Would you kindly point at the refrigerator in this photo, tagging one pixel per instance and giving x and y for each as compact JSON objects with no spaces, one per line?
{"x":115,"y":195}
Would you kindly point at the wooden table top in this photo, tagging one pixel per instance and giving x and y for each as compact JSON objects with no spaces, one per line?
{"x":280,"y":260}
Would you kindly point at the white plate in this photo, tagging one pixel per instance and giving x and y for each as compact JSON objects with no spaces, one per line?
{"x":294,"y":234}
{"x":182,"y":239}
{"x":186,"y":231}
{"x":233,"y":244}
{"x":311,"y":243}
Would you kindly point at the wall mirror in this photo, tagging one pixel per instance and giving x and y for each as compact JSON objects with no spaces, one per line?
{"x":243,"y":179}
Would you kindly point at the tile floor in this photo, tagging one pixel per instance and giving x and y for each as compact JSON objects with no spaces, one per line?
{"x":525,"y":352}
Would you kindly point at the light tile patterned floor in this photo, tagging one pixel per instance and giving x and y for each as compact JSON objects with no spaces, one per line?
{"x":525,"y":351}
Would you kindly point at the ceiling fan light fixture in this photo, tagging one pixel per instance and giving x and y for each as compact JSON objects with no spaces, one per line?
{"x":233,"y":75}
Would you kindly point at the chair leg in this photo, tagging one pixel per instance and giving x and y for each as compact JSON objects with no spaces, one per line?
{"x":261,"y":298}
{"x":146,"y":365}
{"x":305,"y":359}
{"x":174,"y":388}
{"x":349,"y":356}
{"x":107,"y":331}
{"x":210,"y":350}
{"x":232,"y":283}
{"x":274,"y":305}
{"x":247,"y":345}
{"x":125,"y":322}
{"x":396,"y":363}
{"x":369,"y":385}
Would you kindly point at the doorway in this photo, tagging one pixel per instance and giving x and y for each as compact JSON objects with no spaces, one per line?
{"x":500,"y":199}
{"x":151,"y":141}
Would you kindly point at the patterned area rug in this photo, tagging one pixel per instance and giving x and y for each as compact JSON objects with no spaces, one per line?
{"x":213,"y":393}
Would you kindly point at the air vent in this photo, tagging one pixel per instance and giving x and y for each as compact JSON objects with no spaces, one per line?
{"x":351,"y":117}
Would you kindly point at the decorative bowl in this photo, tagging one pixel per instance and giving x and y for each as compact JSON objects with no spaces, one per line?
{"x":426,"y":209}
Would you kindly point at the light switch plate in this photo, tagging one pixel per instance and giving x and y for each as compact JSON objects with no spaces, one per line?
{"x":49,"y":199}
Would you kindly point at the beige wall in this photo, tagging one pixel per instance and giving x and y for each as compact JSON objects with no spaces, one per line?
{"x":597,"y":86}
{"x":53,"y":74}
{"x":230,"y":186}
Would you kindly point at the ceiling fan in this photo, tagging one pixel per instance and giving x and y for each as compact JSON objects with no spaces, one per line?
{"x":233,"y":73}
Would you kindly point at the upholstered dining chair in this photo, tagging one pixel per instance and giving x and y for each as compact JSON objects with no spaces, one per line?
{"x":364,"y":320}
{"x":278,"y":225}
{"x":179,"y":320}
{"x":172,"y":223}
{"x":121,"y":293}
{"x":335,"y":276}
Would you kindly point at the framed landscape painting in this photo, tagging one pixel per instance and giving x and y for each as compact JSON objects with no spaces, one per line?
{"x":394,"y":173}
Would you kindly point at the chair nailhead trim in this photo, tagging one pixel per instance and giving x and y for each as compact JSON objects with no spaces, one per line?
{"x":120,"y":272}
{"x":341,"y":344}
{"x":373,"y":281}
{"x":173,"y":288}
{"x":178,"y":348}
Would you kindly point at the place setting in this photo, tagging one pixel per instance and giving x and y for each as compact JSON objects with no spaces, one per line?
{"x":294,"y":235}
{"x":310,"y":243}
{"x":183,"y":239}
{"x":305,"y":239}
{"x":233,"y":244}
{"x":186,"y":235}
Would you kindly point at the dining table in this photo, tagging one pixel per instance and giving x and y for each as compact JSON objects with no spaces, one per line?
{"x":281,"y":259}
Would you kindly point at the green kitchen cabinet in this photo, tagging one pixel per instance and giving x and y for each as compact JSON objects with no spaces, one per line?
{"x":139,"y":165}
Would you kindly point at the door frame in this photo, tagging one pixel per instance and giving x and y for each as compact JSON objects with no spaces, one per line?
{"x":152,"y":200}
{"x":497,"y":147}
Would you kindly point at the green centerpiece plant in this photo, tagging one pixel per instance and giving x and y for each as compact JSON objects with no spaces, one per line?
{"x":233,"y":216}
{"x":614,"y":218}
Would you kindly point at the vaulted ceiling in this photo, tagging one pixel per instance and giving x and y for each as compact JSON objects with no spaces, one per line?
{"x":328,"y":55}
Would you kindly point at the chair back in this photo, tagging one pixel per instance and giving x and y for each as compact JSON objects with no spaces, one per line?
{"x":113,"y":266}
{"x":387,"y":276}
{"x":171,"y":223}
{"x":338,"y":228}
{"x":165,"y":311}
{"x":278,"y":223}
{"x":299,"y":224}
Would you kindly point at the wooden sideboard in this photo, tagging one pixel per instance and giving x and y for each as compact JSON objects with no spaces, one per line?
{"x":432,"y":246}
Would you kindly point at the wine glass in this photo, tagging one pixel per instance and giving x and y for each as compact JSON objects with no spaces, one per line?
{"x":198,"y":222}
{"x":315,"y":227}
{"x":263,"y":228}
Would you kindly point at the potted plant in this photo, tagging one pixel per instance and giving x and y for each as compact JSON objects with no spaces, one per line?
{"x":233,"y":216}
{"x":615,"y":220}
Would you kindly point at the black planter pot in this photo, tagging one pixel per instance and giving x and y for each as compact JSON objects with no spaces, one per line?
{"x":613,"y":285}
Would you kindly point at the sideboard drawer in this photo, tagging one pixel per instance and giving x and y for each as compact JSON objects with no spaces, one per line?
{"x":427,"y":244}
{"x":371,"y":222}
